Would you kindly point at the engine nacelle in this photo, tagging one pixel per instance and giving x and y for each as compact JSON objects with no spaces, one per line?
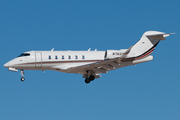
{"x":110,"y":54}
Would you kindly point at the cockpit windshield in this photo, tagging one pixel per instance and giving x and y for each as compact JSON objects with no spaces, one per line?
{"x":24,"y":54}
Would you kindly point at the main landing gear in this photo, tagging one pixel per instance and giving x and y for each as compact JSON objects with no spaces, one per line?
{"x":22,"y":74}
{"x":91,"y":78}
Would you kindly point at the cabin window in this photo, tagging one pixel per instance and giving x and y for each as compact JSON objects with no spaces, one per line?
{"x":49,"y":57}
{"x":56,"y":57}
{"x":24,"y":54}
{"x":83,"y":57}
{"x":62,"y":56}
{"x":69,"y":57}
{"x":76,"y":57}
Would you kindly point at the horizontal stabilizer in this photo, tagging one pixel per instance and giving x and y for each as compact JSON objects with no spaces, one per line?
{"x":157,"y":33}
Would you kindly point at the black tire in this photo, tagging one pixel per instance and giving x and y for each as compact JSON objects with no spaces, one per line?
{"x":22,"y":79}
{"x":92,"y":77}
{"x":87,"y":80}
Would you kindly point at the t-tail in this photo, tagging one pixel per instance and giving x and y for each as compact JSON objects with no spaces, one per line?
{"x":145,"y":46}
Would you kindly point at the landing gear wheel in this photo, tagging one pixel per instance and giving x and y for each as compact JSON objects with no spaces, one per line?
{"x":22,"y":79}
{"x":87,"y":80}
{"x":91,"y":77}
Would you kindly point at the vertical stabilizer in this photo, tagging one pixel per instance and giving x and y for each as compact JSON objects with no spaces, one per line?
{"x":147,"y":43}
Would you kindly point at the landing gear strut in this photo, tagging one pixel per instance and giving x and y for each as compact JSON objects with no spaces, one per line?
{"x":22,"y":74}
{"x":91,"y":78}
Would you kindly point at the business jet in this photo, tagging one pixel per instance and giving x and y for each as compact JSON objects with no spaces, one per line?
{"x":88,"y":63}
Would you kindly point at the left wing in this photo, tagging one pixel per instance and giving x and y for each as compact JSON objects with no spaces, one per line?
{"x":100,"y":67}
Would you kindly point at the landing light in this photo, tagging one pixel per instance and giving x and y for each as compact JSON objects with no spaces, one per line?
{"x":12,"y":69}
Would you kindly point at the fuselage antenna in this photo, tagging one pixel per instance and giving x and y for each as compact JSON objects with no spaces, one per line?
{"x":52,"y":49}
{"x":89,"y":49}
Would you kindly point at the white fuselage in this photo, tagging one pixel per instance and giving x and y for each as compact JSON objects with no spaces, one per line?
{"x":63,"y":60}
{"x":46,"y":60}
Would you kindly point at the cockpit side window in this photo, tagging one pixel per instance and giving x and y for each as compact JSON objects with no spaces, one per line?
{"x":24,"y":54}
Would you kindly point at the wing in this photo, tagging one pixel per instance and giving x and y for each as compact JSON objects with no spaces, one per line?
{"x":100,"y":67}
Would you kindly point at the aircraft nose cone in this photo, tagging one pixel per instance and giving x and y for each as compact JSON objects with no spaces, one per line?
{"x":6,"y":65}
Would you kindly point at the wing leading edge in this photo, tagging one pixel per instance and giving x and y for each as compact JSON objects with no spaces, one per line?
{"x":101,"y":67}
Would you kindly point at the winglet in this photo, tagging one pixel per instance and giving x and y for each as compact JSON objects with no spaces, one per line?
{"x":127,"y":51}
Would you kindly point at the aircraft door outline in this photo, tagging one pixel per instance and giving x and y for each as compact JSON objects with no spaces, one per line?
{"x":38,"y":59}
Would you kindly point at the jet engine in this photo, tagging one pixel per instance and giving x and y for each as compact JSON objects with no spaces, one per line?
{"x":110,"y":54}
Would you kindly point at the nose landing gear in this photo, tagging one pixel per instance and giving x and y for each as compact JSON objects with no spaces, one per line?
{"x":22,"y":74}
{"x":22,"y":79}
